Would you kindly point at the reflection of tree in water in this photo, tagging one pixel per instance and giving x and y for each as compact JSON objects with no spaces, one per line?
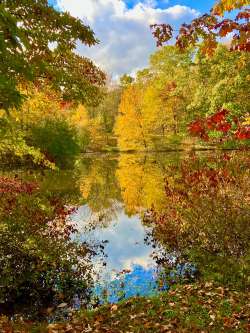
{"x":141,"y":178}
{"x":137,"y":180}
{"x":103,"y":217}
{"x":100,"y":189}
{"x":62,"y":183}
{"x":98,"y":183}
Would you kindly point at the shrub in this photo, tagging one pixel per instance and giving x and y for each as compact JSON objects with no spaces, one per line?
{"x":14,"y":149}
{"x":40,"y":264}
{"x":57,"y":140}
{"x":206,"y":217}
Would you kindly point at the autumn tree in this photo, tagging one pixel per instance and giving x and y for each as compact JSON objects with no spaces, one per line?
{"x":105,"y":115}
{"x":130,"y":126}
{"x":220,"y":103}
{"x":172,"y":78}
{"x":158,"y":115}
{"x":126,"y":80}
{"x":37,"y":43}
{"x":210,"y":28}
{"x":221,"y":82}
{"x":43,"y":127}
{"x":223,"y":79}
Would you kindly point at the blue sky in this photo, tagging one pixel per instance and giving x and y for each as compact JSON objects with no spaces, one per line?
{"x":202,"y":5}
{"x":122,"y":26}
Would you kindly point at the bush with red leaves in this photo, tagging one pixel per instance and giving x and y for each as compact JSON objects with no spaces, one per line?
{"x":41,"y":265}
{"x":219,"y":122}
{"x":16,"y":186}
{"x":206,"y":216}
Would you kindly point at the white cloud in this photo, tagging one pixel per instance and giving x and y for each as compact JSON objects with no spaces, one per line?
{"x":126,"y":40}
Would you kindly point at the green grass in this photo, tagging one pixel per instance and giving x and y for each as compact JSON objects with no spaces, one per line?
{"x":189,"y":308}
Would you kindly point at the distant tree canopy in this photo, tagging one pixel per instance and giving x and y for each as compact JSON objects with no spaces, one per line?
{"x":210,"y":27}
{"x":37,"y":43}
{"x":125,"y":80}
{"x":182,"y":88}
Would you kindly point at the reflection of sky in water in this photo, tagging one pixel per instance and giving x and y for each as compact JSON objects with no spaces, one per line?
{"x":139,"y":282}
{"x":125,"y":250}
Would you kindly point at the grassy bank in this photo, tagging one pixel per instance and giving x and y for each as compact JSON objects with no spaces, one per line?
{"x":188,"y":308}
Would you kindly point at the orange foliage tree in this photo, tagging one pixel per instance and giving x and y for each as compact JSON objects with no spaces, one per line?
{"x":210,"y":27}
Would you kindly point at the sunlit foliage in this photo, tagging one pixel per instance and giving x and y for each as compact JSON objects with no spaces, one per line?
{"x":130,"y":125}
{"x":179,"y":88}
{"x":40,"y":131}
{"x":37,"y":43}
{"x":209,"y":28}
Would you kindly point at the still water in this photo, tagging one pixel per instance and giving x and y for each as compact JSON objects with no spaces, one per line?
{"x":114,"y":196}
{"x":118,"y":192}
{"x":129,"y":268}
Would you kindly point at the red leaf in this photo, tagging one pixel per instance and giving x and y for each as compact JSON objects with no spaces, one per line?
{"x":219,"y":116}
{"x":196,"y":127}
{"x":243,"y":133}
{"x":224,"y":127}
{"x":245,"y":15}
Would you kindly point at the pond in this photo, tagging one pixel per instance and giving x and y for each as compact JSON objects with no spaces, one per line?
{"x":118,"y":198}
{"x":129,"y":268}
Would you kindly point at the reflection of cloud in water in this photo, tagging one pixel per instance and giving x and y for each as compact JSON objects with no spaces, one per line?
{"x":125,"y":236}
{"x":144,"y":262}
{"x":125,"y":250}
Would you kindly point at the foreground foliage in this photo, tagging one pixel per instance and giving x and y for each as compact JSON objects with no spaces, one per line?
{"x":37,"y":43}
{"x":206,"y":217}
{"x":41,"y":265}
{"x":198,"y":208}
{"x":210,"y":28}
{"x":197,"y":308}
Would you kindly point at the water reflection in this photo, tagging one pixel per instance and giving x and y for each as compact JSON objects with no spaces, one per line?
{"x":152,"y":210}
{"x":141,"y":179}
{"x":130,"y":265}
{"x":138,"y":281}
{"x":197,"y":204}
{"x":97,"y":182}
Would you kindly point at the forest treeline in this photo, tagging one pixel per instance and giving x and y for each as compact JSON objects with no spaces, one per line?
{"x":179,"y":87}
{"x":55,"y":104}
{"x":167,"y":105}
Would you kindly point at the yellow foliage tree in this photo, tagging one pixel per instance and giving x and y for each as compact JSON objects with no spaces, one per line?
{"x":223,"y":6}
{"x":153,"y":109}
{"x":39,"y":105}
{"x":130,"y":125}
{"x":79,"y":117}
